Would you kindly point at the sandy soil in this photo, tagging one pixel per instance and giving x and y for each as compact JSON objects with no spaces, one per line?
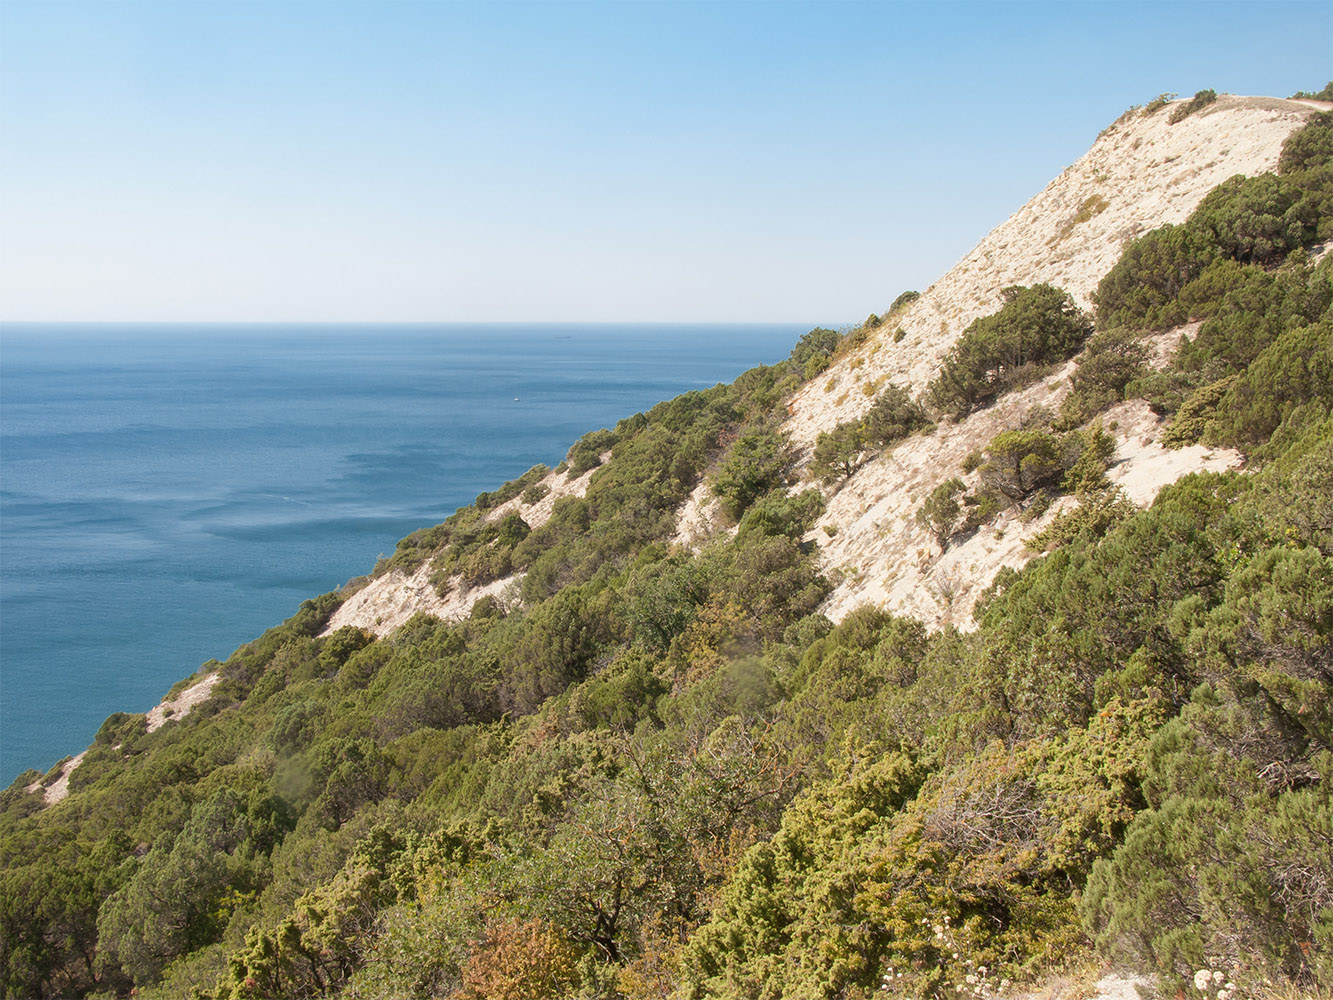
{"x":1122,"y":985}
{"x":699,"y":518}
{"x":879,"y":554}
{"x":391,"y":599}
{"x":59,"y":788}
{"x":179,"y":707}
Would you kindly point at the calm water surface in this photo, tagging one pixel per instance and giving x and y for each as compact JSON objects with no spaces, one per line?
{"x":167,"y":493}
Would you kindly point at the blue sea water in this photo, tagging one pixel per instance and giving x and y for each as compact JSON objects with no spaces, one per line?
{"x":168,"y":492}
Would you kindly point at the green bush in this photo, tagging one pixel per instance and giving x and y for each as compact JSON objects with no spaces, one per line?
{"x":1158,"y":103}
{"x":511,"y":489}
{"x":1295,"y":370}
{"x":1109,"y":363}
{"x":1095,"y":515}
{"x":758,"y":461}
{"x":1309,"y":146}
{"x":1198,"y":102}
{"x":941,"y":511}
{"x":905,"y":298}
{"x":783,"y":514}
{"x":586,"y":452}
{"x":1255,"y":308}
{"x":814,"y":351}
{"x":1208,"y":876}
{"x":1254,"y":219}
{"x":1036,"y":326}
{"x":1021,"y":462}
{"x":894,"y":416}
{"x":838,"y":453}
{"x":1248,"y":220}
{"x":1192,"y":418}
{"x":1140,"y":290}
{"x":1323,"y":95}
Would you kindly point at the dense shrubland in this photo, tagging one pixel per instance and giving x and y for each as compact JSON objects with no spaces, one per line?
{"x":655,"y":773}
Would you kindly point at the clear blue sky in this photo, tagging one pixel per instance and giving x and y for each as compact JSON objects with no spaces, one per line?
{"x":402,"y":161}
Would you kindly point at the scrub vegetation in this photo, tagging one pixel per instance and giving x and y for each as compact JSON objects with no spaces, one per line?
{"x":650,"y":772}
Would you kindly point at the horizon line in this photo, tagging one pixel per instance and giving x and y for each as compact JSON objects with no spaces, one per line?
{"x":408,"y":322}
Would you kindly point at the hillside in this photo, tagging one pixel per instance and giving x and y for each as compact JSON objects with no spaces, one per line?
{"x":1142,"y":172}
{"x":988,"y":644}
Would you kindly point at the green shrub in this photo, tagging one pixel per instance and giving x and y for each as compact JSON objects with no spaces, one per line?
{"x":119,"y":727}
{"x":1109,"y":363}
{"x":941,"y":511}
{"x":1309,"y":146}
{"x":893,"y":416}
{"x":850,"y":341}
{"x":1323,"y":95}
{"x":511,"y":489}
{"x":783,"y":514}
{"x":1158,"y":103}
{"x":839,"y":452}
{"x":1095,"y":515}
{"x":1253,"y":312}
{"x":1198,"y":102}
{"x":586,"y":452}
{"x":1021,"y":462}
{"x":535,"y":493}
{"x":814,"y":365}
{"x":1192,"y":418}
{"x":1296,"y":369}
{"x":1254,"y":219}
{"x":818,"y":343}
{"x":758,"y":461}
{"x":1036,"y":326}
{"x":1140,"y":290}
{"x":1208,"y":876}
{"x":1177,"y":272}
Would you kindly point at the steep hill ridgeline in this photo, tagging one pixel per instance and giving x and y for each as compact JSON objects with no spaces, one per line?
{"x":1143,"y":171}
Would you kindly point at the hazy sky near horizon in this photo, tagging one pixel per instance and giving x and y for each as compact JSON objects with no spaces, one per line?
{"x":400,"y":160}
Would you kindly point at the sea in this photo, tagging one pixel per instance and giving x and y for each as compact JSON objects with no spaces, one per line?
{"x":167,"y":492}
